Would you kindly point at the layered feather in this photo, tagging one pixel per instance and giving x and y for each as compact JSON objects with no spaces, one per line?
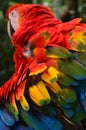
{"x":51,"y":78}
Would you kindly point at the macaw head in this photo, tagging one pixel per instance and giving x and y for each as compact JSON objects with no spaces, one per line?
{"x":13,"y":16}
{"x":27,"y":20}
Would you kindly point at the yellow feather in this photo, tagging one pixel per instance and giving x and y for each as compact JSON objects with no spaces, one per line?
{"x":36,"y":95}
{"x":44,"y":91}
{"x":24,"y":103}
{"x":54,"y":87}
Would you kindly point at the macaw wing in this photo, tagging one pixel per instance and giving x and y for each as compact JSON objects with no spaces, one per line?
{"x":42,"y":86}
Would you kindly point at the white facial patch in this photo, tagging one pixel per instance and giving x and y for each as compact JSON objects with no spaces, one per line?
{"x":14,"y":19}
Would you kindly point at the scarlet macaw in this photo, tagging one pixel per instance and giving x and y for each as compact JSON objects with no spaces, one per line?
{"x":50,"y":70}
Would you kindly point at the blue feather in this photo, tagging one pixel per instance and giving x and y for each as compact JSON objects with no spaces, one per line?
{"x":3,"y":126}
{"x":31,"y":120}
{"x":6,"y":117}
{"x":21,"y":127}
{"x":81,"y":92}
{"x":40,"y":121}
{"x":51,"y":123}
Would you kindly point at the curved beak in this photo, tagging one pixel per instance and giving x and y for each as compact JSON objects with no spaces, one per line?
{"x":10,"y":30}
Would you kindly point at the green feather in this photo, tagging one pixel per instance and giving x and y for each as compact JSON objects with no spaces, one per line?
{"x":66,"y":80}
{"x":64,"y":104}
{"x":72,"y":68}
{"x":81,"y":57}
{"x":31,"y":120}
{"x":13,"y":112}
{"x":79,"y":116}
{"x":68,"y":112}
{"x":69,"y":95}
{"x":58,"y":52}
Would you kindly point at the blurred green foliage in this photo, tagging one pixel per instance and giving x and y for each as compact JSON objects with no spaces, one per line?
{"x":6,"y":49}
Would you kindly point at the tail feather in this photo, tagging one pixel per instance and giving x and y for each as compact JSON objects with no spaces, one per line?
{"x":31,"y":120}
{"x":40,"y":121}
{"x":6,"y":117}
{"x":3,"y":126}
{"x":51,"y":123}
{"x":18,"y":126}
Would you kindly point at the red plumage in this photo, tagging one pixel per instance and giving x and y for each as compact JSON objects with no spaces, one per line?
{"x":46,"y":52}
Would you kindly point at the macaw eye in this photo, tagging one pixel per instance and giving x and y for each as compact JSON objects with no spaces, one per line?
{"x":14,"y":19}
{"x":12,"y":13}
